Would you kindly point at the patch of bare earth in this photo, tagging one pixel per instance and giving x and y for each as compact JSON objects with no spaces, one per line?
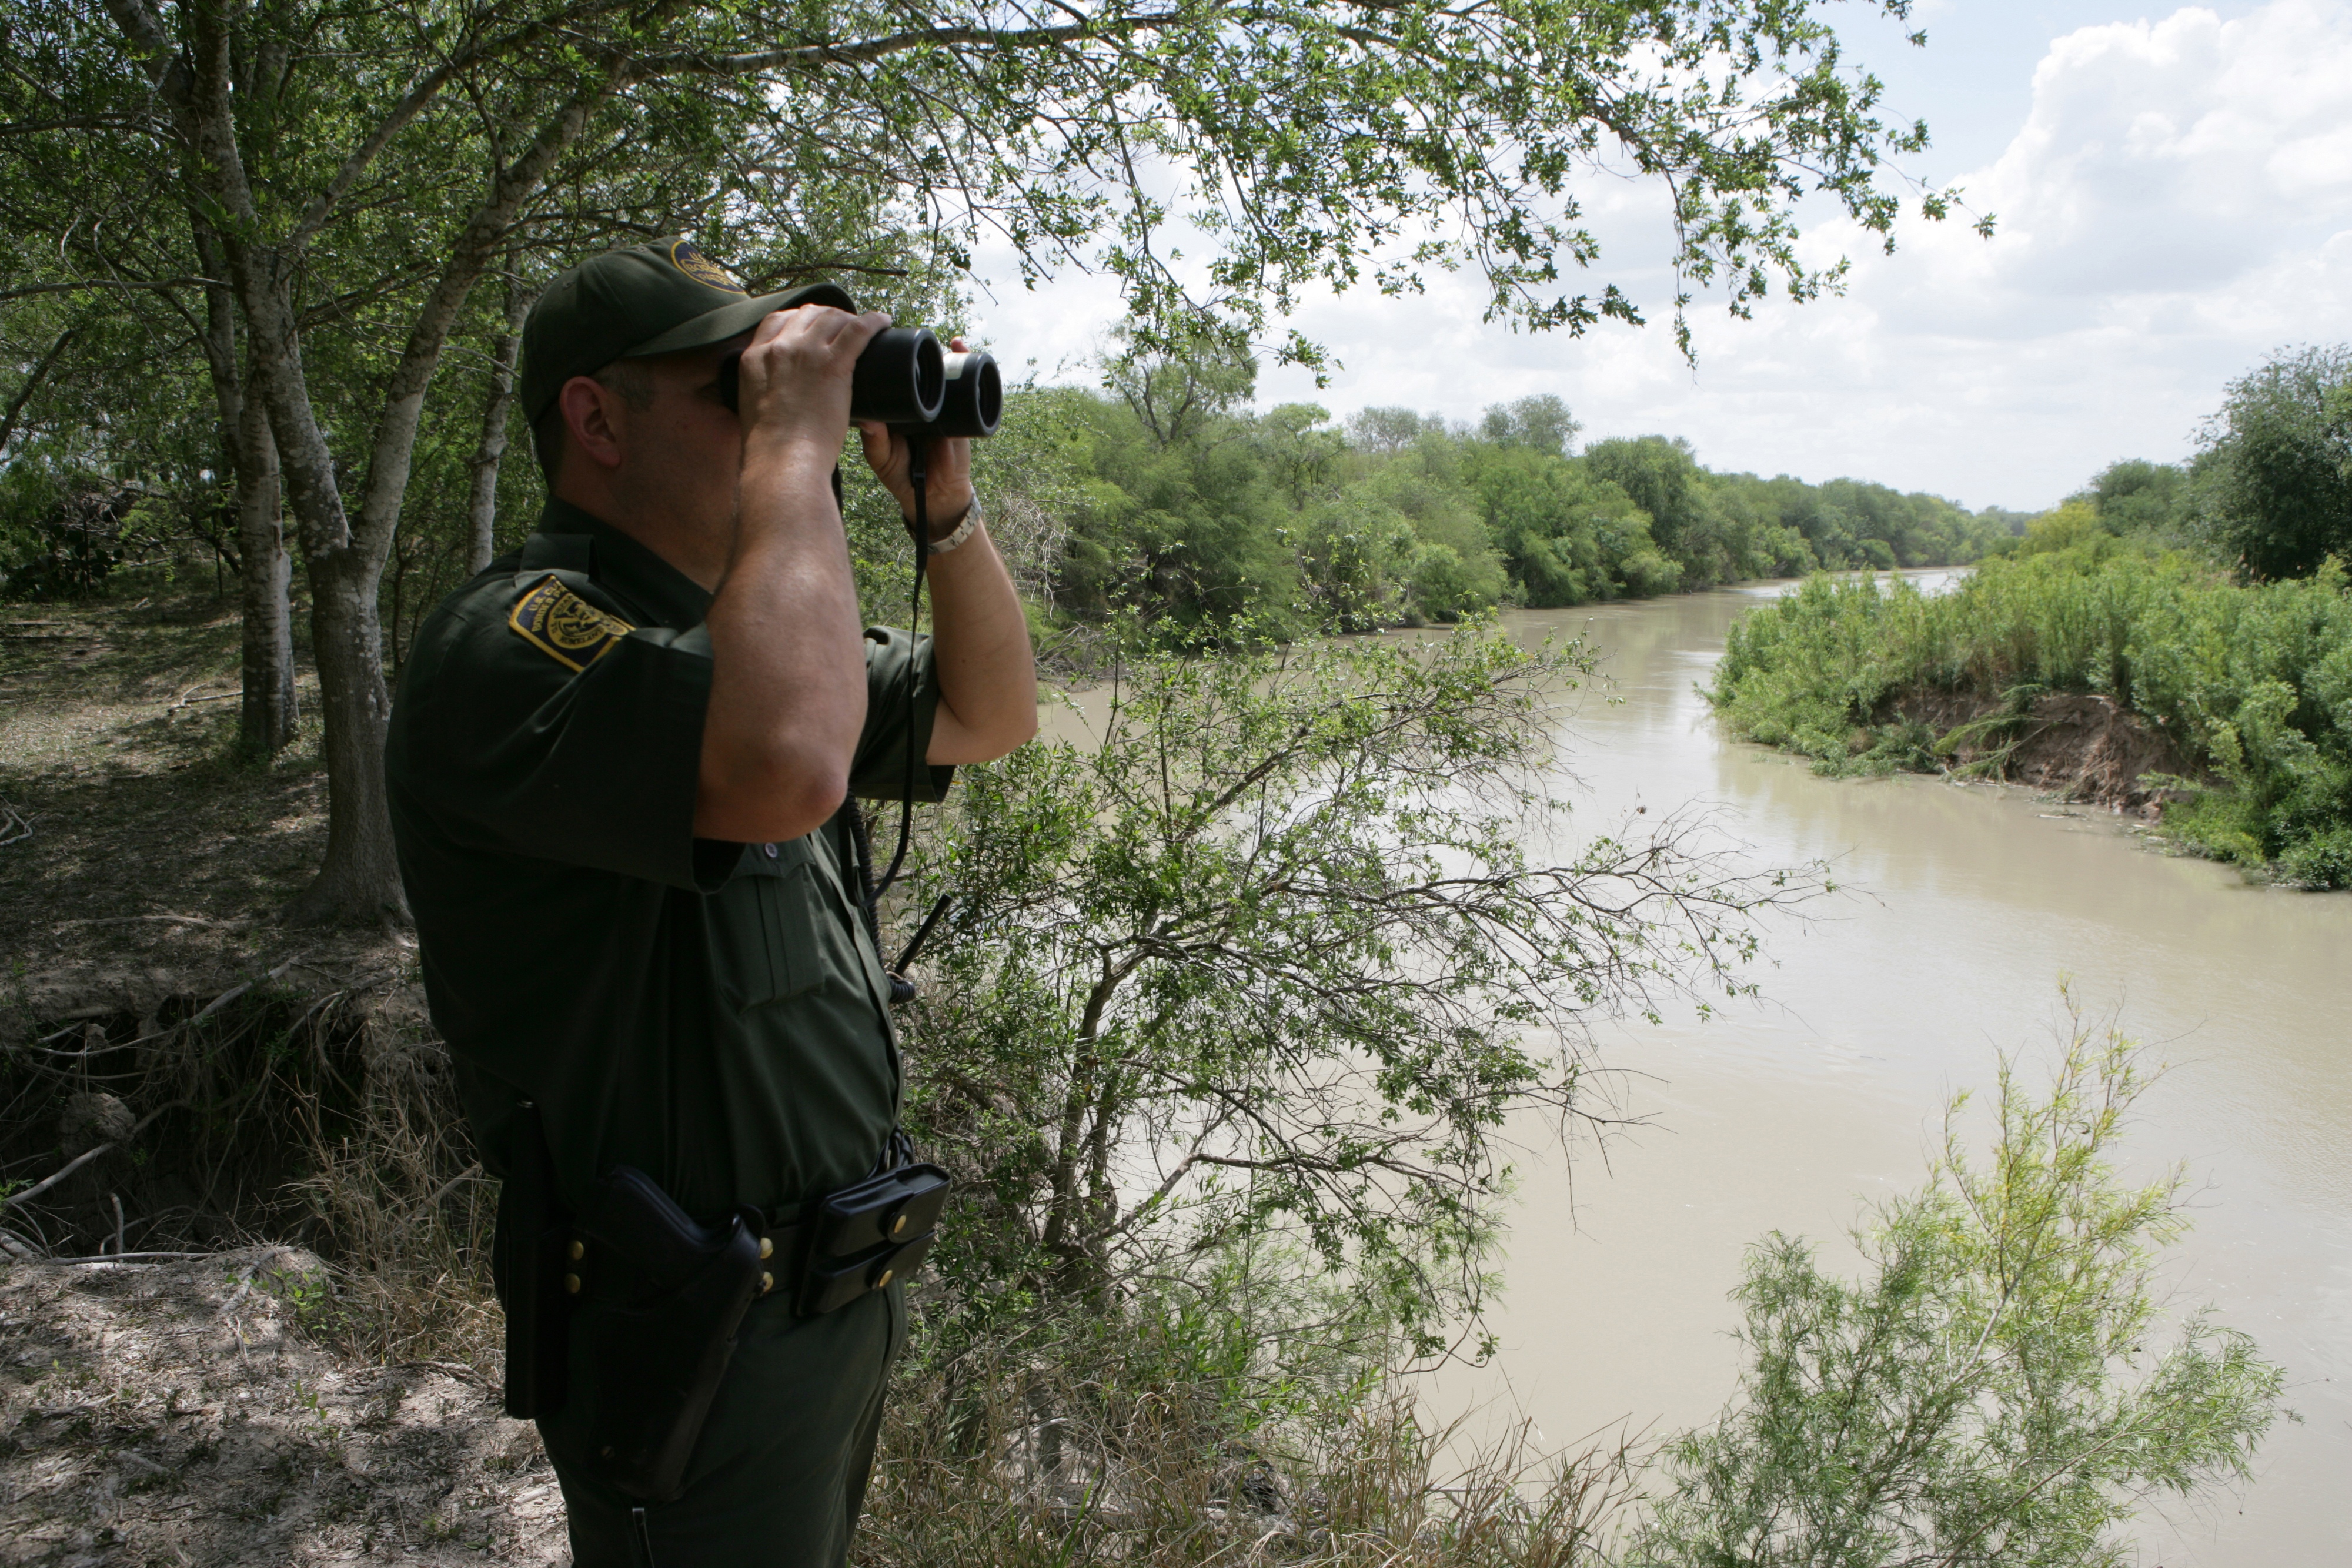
{"x":176,"y":1056}
{"x":2080,"y":746}
{"x":169,"y":1412}
{"x":139,"y":858}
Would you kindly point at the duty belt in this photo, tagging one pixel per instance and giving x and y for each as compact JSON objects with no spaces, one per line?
{"x":822,"y":1258}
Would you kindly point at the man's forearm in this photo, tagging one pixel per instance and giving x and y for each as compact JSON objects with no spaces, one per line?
{"x":788,"y":683}
{"x":988,"y":679}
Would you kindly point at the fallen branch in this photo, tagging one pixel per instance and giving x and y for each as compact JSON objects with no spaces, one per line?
{"x":453,"y":1369}
{"x":231,"y":994}
{"x":14,"y":1199}
{"x":425,"y":1209}
{"x":176,"y":919}
{"x":15,"y":829}
{"x":188,"y":700}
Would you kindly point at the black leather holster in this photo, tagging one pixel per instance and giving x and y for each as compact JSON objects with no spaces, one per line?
{"x":661,"y":1298}
{"x":655,"y":1298}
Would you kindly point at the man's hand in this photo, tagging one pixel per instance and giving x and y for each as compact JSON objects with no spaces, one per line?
{"x":794,"y":382}
{"x":946,"y":468}
{"x":988,"y":683}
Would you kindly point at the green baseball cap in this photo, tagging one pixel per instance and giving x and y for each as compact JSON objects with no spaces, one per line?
{"x":639,"y":300}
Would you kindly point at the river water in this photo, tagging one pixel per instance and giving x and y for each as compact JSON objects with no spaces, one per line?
{"x":1962,"y":909}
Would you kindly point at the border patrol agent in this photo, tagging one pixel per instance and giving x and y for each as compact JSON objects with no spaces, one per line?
{"x":616,"y":762}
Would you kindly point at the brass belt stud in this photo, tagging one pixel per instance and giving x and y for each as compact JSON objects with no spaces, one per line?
{"x":897,"y":1225}
{"x":571,"y":1284}
{"x":767,"y":1249}
{"x":882,"y":1280}
{"x":578,"y":1250}
{"x":767,"y":1281}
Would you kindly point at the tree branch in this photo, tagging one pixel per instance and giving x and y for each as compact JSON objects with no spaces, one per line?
{"x":81,"y":285}
{"x":805,"y":55}
{"x":322,"y":206}
{"x":31,"y":384}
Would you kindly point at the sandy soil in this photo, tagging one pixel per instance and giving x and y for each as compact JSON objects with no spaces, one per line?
{"x":169,"y":1412}
{"x":172,"y":1411}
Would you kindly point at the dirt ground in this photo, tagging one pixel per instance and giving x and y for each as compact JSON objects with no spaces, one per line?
{"x":137,"y":858}
{"x":174,"y":1411}
{"x":170,"y":1412}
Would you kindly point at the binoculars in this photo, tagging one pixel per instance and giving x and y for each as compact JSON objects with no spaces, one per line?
{"x":907,"y":381}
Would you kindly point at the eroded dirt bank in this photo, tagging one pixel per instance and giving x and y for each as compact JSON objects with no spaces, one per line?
{"x":166,"y":1412}
{"x":2081,"y":746}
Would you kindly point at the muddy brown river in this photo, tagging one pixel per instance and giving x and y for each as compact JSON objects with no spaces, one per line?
{"x":1964,"y":908}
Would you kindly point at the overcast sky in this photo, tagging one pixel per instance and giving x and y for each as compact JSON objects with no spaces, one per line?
{"x":2173,"y":192}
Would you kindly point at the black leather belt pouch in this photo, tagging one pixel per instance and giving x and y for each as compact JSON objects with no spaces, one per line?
{"x":864,"y":1235}
{"x":663,"y":1298}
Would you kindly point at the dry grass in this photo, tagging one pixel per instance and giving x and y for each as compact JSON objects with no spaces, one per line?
{"x":1366,"y":1491}
{"x":1093,"y":1446}
{"x":410,"y":1213}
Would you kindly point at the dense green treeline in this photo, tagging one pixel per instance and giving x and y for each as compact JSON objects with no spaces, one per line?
{"x":1165,"y":500}
{"x":2210,"y":597}
{"x":1188,"y":512}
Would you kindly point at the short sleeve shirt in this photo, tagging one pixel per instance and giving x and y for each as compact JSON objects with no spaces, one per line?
{"x":714,"y":1014}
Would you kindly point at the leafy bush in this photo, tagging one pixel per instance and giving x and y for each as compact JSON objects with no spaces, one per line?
{"x":1990,"y":1392}
{"x":61,"y":532}
{"x":1274,"y":960}
{"x":2254,"y":684}
{"x":2276,"y":464}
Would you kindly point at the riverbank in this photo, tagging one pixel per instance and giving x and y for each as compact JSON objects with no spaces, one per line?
{"x":1136,"y":1428}
{"x":2080,"y":748}
{"x":2140,"y":681}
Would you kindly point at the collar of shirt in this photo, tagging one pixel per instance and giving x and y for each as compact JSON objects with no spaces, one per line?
{"x":658,"y":592}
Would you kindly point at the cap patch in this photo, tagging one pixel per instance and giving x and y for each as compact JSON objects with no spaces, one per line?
{"x":564,"y":626}
{"x":702,"y":268}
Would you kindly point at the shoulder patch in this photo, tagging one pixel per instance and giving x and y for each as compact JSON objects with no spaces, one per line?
{"x":564,"y":626}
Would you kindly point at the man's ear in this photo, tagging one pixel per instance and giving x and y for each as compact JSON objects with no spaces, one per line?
{"x":593,"y":421}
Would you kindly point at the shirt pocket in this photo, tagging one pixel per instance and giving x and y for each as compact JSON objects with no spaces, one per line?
{"x":763,"y":922}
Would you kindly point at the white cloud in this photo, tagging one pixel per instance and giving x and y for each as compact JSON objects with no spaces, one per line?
{"x":2177,"y":203}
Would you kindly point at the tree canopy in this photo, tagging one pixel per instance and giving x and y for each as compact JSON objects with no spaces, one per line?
{"x":2276,"y":463}
{"x":298,"y":205}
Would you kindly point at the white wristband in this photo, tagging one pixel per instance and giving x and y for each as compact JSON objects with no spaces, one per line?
{"x":972,"y":519}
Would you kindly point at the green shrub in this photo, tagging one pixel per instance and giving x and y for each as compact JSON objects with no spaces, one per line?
{"x":2253,"y":684}
{"x":1994,"y":1389}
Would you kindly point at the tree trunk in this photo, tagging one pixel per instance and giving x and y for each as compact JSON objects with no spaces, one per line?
{"x":482,"y":504}
{"x":358,"y":879}
{"x":264,"y":570}
{"x":268,"y":713}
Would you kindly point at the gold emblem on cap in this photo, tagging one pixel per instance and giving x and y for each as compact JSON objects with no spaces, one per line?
{"x":702,"y":268}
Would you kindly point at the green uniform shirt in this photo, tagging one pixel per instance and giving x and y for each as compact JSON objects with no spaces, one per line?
{"x":712,"y":1013}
